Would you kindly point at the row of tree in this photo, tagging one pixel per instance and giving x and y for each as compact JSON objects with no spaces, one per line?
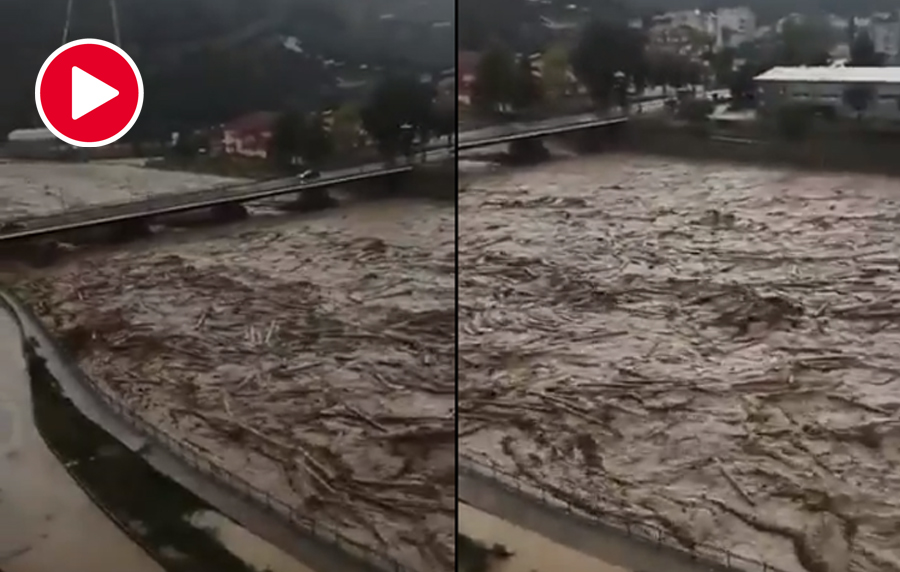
{"x":608,"y":59}
{"x":401,"y":116}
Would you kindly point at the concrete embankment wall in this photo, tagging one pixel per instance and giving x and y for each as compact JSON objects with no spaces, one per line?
{"x":833,"y":150}
{"x":171,"y":474}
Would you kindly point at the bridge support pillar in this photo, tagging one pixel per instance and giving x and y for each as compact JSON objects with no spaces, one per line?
{"x":599,"y":138}
{"x":229,"y":212}
{"x":128,"y":230}
{"x":312,"y":200}
{"x":526,"y":151}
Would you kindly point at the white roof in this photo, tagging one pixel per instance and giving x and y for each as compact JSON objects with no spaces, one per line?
{"x":832,"y":74}
{"x":31,"y":135}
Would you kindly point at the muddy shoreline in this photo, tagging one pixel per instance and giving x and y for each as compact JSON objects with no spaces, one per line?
{"x":152,"y":510}
{"x":835,"y":150}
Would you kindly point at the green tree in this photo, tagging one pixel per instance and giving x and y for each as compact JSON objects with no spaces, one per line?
{"x":862,"y":52}
{"x":443,"y":119}
{"x":555,"y":72}
{"x":527,"y":89}
{"x":395,"y":111}
{"x":284,"y":145}
{"x":794,"y":121}
{"x":722,"y":65}
{"x":805,"y":43}
{"x":495,"y":80}
{"x":858,"y":98}
{"x":314,"y":142}
{"x":186,"y":145}
{"x":345,"y":126}
{"x":604,"y":50}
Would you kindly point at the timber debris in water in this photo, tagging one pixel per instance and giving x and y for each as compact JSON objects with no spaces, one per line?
{"x":709,"y":348}
{"x":316,"y":362}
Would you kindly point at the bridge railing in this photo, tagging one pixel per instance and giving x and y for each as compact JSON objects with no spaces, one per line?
{"x":581,"y":507}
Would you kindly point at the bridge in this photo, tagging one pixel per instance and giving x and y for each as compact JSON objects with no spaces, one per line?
{"x":171,"y":203}
{"x":531,"y":130}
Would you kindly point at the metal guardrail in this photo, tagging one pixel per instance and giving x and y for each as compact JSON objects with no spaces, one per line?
{"x":281,"y":510}
{"x":721,"y":558}
{"x":241,"y":486}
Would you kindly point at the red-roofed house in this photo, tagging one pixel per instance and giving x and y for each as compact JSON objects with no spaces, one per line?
{"x":466,"y":65}
{"x":249,"y":135}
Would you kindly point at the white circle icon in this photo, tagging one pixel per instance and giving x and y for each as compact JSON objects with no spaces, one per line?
{"x":89,"y":93}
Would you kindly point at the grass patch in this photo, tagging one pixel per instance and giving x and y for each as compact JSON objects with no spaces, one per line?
{"x":154,"y":507}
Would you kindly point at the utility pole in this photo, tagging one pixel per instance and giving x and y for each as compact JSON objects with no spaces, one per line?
{"x":115,"y":18}
{"x":65,"y":36}
{"x":114,"y":12}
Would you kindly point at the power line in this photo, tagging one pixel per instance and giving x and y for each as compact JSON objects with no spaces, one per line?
{"x":115,"y":18}
{"x":68,"y":21}
{"x":114,"y":12}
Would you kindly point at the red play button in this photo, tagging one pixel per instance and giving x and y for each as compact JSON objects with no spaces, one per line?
{"x":89,"y":93}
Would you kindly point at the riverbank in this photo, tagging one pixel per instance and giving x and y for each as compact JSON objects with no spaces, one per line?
{"x":47,"y":521}
{"x":151,"y":509}
{"x":835,"y":149}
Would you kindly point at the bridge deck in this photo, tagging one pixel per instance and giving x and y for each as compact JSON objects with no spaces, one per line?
{"x":537,"y":129}
{"x":178,"y":202}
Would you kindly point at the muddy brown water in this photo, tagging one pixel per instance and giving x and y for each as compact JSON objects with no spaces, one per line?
{"x":708,"y":347}
{"x":47,"y":523}
{"x":531,"y":552}
{"x":325,"y":332}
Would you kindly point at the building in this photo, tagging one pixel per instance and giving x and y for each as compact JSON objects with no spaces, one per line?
{"x":884,"y":30}
{"x":734,"y":26}
{"x":694,"y":19}
{"x":466,"y":67}
{"x":35,"y":144}
{"x":826,"y":86}
{"x":249,"y":135}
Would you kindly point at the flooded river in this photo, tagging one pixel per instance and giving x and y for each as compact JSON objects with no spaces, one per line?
{"x":312,"y":356}
{"x":709,"y":347}
{"x":47,"y":523}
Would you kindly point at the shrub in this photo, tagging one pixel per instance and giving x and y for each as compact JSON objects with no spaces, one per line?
{"x":695,"y":110}
{"x":794,"y":121}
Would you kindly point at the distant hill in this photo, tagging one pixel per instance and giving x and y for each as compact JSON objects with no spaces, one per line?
{"x":207,"y":60}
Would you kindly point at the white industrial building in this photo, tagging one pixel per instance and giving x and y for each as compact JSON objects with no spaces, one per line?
{"x":825,"y":86}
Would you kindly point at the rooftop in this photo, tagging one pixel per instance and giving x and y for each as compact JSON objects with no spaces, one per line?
{"x":832,"y":74}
